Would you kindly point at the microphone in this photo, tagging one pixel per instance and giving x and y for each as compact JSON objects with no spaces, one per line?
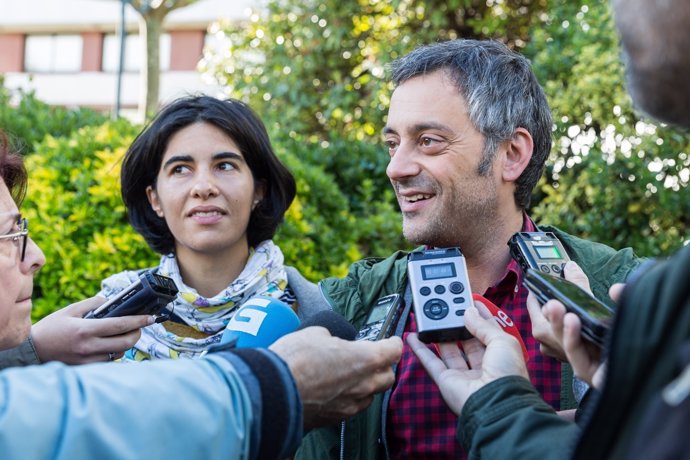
{"x":336,"y":324}
{"x":258,"y":323}
{"x":504,"y":321}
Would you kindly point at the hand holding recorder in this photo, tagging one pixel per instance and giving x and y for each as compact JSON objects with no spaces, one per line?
{"x":567,"y":327}
{"x":491,"y":354}
{"x":67,"y":337}
{"x":594,"y":315}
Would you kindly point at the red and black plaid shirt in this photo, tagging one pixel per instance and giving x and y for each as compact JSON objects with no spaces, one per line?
{"x":419,"y":424}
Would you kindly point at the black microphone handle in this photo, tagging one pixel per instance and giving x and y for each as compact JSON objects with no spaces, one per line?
{"x":336,"y":324}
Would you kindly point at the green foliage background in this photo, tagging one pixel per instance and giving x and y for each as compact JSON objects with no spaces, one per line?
{"x":614,"y":176}
{"x":316,"y":72}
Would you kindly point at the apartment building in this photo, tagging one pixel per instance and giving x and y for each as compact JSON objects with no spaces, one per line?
{"x":68,"y":51}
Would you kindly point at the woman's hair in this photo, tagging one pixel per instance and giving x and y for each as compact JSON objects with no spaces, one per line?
{"x":143,"y":161}
{"x":12,"y":170}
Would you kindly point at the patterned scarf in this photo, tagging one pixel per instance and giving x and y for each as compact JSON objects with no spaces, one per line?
{"x":264,"y":274}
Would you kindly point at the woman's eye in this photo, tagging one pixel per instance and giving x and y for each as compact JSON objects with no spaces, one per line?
{"x":390,"y":144}
{"x":180,"y":169}
{"x":226,"y":166}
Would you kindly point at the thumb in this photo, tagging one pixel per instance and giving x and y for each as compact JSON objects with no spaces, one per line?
{"x":574,"y":273}
{"x":83,"y":307}
{"x":484,"y":329}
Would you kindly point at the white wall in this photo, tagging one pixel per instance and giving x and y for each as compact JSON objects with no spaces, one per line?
{"x":60,"y":15}
{"x":98,"y":89}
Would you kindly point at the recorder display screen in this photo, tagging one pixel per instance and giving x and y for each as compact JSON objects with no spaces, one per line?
{"x":378,"y":313}
{"x":437,"y":271}
{"x":547,"y":252}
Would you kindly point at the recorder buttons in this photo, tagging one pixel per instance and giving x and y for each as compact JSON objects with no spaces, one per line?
{"x":556,"y":268}
{"x":425,"y":290}
{"x":456,"y":287}
{"x":544,"y":268}
{"x":436,"y":309}
{"x":439,"y":289}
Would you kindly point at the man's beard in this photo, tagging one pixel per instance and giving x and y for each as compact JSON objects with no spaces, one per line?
{"x":466,"y":221}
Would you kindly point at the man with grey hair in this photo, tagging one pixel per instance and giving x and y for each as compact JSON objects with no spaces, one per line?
{"x":642,"y":407}
{"x":468,"y":132}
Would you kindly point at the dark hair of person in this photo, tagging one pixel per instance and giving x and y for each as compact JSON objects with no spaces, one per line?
{"x":12,"y":170}
{"x":501,"y":93}
{"x":143,"y":159}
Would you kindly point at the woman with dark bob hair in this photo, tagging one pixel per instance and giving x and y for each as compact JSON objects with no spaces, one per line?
{"x":203,"y":186}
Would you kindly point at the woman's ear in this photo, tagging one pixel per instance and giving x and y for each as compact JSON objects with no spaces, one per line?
{"x":152,"y":195}
{"x":518,"y":154}
{"x":259,"y":192}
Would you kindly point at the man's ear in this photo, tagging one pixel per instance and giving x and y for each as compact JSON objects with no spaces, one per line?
{"x":518,"y":154}
{"x":155,"y":203}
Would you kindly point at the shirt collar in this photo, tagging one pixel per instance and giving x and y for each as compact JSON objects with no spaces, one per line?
{"x":513,"y":274}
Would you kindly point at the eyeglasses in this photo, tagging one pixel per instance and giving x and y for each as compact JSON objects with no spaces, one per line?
{"x":20,"y":238}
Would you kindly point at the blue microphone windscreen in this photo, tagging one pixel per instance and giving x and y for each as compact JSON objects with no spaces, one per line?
{"x":336,"y":324}
{"x":259,"y":322}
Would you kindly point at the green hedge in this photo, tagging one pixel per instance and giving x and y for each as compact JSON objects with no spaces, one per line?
{"x":76,"y":214}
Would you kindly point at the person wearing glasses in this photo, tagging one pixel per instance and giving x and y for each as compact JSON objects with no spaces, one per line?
{"x":64,"y":335}
{"x":240,"y":404}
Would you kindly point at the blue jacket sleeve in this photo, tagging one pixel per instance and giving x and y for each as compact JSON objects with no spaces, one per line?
{"x":507,"y":418}
{"x":209,"y":408}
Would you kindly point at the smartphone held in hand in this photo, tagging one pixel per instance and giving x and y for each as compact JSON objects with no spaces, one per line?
{"x":594,"y":315}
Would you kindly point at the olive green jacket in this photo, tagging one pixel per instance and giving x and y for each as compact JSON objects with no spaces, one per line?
{"x":644,"y":357}
{"x":370,"y":279}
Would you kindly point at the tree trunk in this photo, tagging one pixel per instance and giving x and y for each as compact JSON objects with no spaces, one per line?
{"x":150,"y":28}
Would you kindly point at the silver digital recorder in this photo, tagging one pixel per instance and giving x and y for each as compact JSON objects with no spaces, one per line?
{"x":440,"y":294}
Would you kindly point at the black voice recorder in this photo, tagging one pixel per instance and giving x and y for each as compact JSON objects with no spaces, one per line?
{"x":382,"y":319}
{"x":538,"y":250}
{"x":146,"y":296}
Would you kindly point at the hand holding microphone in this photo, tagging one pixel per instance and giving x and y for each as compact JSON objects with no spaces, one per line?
{"x":335,"y":376}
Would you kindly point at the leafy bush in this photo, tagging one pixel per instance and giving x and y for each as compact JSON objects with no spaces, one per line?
{"x":29,"y":120}
{"x":322,"y":235}
{"x":614,"y":176}
{"x":76,"y":214}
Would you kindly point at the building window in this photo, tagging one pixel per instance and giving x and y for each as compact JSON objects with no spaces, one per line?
{"x":134,"y":53}
{"x":53,"y":53}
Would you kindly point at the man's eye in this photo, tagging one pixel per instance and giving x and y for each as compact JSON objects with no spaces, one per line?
{"x":428,"y":141}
